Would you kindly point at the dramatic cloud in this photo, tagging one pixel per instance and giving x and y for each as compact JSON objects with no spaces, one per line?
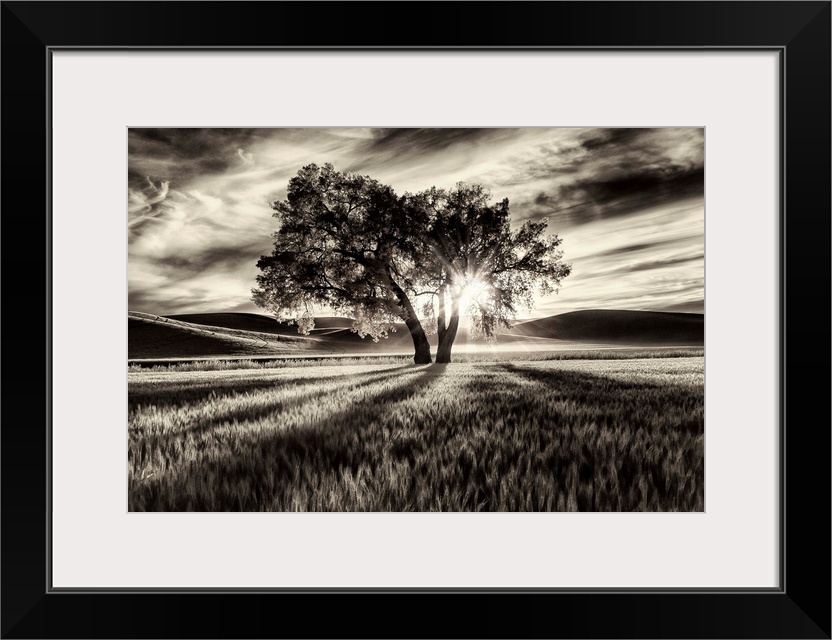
{"x":589,"y":175}
{"x":142,"y":200}
{"x":629,"y":204}
{"x":651,"y":260}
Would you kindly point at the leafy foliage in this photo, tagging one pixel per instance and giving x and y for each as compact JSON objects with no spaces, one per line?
{"x":344,"y":243}
{"x":480,"y":267}
{"x":349,"y":243}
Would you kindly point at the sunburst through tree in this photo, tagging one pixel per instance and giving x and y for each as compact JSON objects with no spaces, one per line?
{"x":349,"y":243}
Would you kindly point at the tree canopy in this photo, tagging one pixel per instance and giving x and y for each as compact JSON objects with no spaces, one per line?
{"x":480,"y":267}
{"x":349,"y":243}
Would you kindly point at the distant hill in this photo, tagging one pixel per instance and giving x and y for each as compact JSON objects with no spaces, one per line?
{"x":150,"y":336}
{"x":619,"y":327}
{"x":687,"y":307}
{"x":336,"y":332}
{"x":332,"y":332}
{"x":214,"y":335}
{"x":257,"y":322}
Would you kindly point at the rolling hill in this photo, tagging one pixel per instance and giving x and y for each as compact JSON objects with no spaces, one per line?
{"x":619,"y":327}
{"x":331,"y":331}
{"x":150,"y":336}
{"x":217,"y":335}
{"x":257,"y":322}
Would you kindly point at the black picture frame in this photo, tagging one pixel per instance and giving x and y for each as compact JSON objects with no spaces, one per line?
{"x":799,"y":608}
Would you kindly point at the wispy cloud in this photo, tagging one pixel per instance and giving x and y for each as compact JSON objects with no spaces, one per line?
{"x":650,"y":260}
{"x":247,"y":158}
{"x":142,"y":200}
{"x":629,"y":203}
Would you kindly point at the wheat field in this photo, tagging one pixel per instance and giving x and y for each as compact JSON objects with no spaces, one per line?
{"x":514,"y":435}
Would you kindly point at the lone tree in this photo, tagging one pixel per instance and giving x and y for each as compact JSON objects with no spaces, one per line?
{"x":350,"y":243}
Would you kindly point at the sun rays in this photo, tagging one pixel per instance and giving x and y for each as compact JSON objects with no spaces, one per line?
{"x":471,"y":293}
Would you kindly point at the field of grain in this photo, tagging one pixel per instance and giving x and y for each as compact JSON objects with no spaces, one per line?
{"x":516,"y":435}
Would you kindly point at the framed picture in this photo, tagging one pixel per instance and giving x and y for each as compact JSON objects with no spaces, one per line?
{"x":683,"y":149}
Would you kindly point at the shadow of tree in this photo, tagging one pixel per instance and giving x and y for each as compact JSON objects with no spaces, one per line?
{"x":263,"y":461}
{"x":624,"y":444}
{"x":236,"y":413}
{"x":175,"y":393}
{"x":548,"y":376}
{"x":629,"y":402}
{"x":535,"y":437}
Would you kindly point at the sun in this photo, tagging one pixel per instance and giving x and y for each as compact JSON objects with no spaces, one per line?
{"x":470,"y":292}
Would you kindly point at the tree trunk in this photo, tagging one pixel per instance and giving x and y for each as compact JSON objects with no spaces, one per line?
{"x":421,"y":346}
{"x":447,"y":335}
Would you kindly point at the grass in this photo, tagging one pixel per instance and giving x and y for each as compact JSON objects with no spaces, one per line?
{"x":530,"y":356}
{"x":547,"y":435}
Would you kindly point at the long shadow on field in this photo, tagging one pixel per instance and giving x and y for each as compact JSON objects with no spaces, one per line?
{"x":554,"y":376}
{"x":247,"y":478}
{"x":613,"y":401}
{"x":235,"y":413}
{"x":611,"y":444}
{"x":164,"y":394}
{"x":538,"y":438}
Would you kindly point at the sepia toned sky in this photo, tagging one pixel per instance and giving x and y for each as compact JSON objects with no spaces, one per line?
{"x":628,"y":203}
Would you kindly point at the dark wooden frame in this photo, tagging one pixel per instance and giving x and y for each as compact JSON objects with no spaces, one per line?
{"x":799,"y":31}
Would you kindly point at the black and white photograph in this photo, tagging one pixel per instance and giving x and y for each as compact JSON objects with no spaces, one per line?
{"x":428,"y":320}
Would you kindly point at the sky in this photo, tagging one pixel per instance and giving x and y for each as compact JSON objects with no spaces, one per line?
{"x":628,"y":204}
